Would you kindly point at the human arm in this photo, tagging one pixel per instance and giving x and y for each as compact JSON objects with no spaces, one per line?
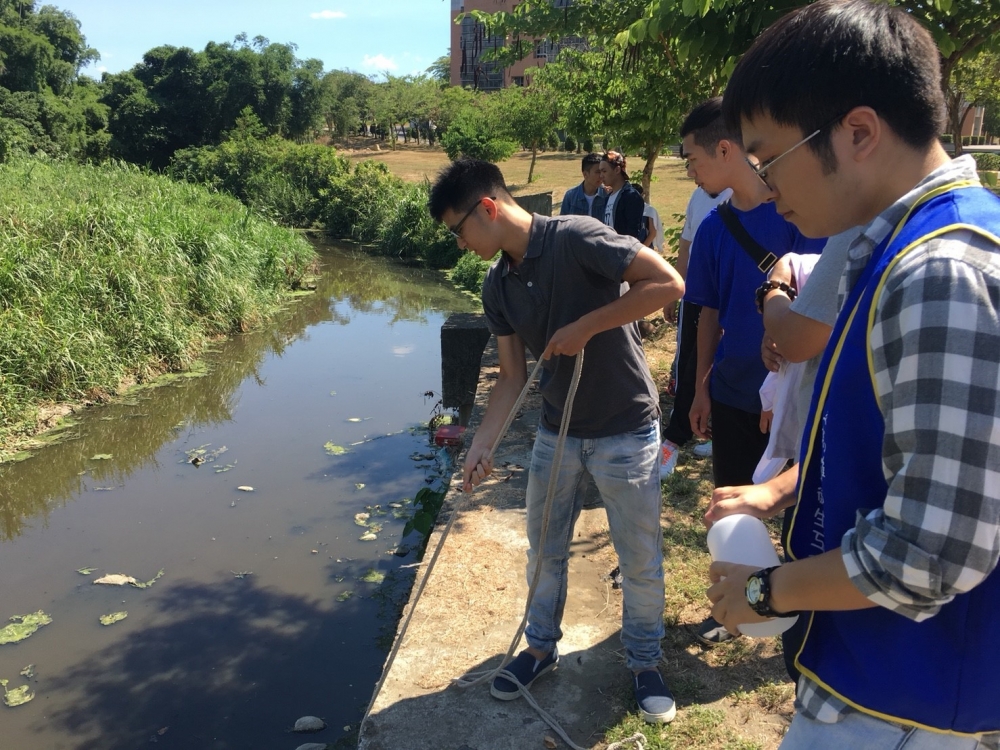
{"x":565,"y":207}
{"x":630,"y":207}
{"x":709,"y":334}
{"x":794,"y":337}
{"x":683,"y":254}
{"x":653,"y":284}
{"x":509,"y":384}
{"x":759,"y":500}
{"x":650,"y":231}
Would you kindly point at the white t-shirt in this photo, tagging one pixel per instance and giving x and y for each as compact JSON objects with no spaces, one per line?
{"x":699,"y":206}
{"x":609,"y":211}
{"x":590,"y":202}
{"x":648,"y":210}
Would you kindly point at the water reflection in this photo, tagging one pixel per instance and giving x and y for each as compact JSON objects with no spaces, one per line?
{"x":132,"y":433}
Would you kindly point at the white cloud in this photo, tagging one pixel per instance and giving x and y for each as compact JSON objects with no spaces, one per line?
{"x":379,"y":62}
{"x":102,"y":69}
{"x":326,"y":15}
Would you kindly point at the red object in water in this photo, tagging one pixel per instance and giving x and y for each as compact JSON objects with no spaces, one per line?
{"x":448,"y":434}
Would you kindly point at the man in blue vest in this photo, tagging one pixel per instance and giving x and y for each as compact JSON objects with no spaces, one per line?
{"x":895,"y":538}
{"x":589,"y":197}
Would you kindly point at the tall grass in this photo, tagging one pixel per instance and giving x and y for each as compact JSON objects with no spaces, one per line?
{"x":109,"y":274}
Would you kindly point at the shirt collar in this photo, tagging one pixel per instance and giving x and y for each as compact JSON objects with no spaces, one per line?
{"x":535,"y":242}
{"x":962,"y":168}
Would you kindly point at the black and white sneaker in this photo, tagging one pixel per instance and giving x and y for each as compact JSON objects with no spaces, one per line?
{"x":656,"y":702}
{"x":711,"y":633}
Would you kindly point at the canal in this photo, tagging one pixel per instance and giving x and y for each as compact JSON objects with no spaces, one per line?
{"x":270,"y":606}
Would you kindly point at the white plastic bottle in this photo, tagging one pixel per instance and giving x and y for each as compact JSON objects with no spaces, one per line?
{"x":744,"y":540}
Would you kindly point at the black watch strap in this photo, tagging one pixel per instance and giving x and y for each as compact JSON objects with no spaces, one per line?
{"x":758,"y":593}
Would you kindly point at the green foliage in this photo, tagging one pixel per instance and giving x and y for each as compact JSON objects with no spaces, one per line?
{"x":552,"y":142}
{"x":469,"y":272}
{"x":480,"y":133}
{"x":987,"y":162}
{"x":428,"y":504}
{"x":570,"y":143}
{"x":588,"y":144}
{"x":108,"y":274}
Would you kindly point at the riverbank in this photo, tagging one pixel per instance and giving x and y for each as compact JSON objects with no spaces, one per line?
{"x":111,"y":276}
{"x":735,"y":696}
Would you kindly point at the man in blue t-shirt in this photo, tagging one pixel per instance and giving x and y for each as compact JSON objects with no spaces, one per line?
{"x":723,"y":278}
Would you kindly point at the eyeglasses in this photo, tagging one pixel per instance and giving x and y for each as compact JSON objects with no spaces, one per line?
{"x":761,"y":170}
{"x":456,"y":231}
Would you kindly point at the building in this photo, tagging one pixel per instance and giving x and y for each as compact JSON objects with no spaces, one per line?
{"x":469,"y":41}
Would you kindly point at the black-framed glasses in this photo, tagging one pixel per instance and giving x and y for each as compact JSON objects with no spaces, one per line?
{"x":456,"y":231}
{"x":761,"y":170}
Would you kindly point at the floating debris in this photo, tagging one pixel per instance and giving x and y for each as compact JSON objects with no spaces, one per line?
{"x":401,"y":551}
{"x":17,"y":696}
{"x":367,"y":537}
{"x":120,"y":579}
{"x":354,"y":419}
{"x":242,"y":573}
{"x":313,"y":746}
{"x":23,"y":626}
{"x":309,"y":724}
{"x":113,"y":618}
{"x":28,"y":672}
{"x":223,"y":469}
{"x":361,"y":519}
{"x":86,"y":571}
{"x":399,"y":513}
{"x":333,"y":393}
{"x":373,"y":576}
{"x":197,"y":461}
{"x":245,"y":488}
{"x":102,"y":457}
{"x":345,"y":596}
{"x":335,"y":450}
{"x":359,"y":485}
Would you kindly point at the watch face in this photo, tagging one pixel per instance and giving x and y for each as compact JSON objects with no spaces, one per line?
{"x":753,"y":590}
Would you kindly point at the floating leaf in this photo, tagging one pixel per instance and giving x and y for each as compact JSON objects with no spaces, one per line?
{"x":335,"y":450}
{"x":367,"y":537}
{"x":85,"y":571}
{"x":359,"y":485}
{"x":113,"y":618}
{"x":361,"y":519}
{"x":345,"y":596}
{"x":23,"y":626}
{"x":373,"y":576}
{"x":101,"y":457}
{"x":149,"y":583}
{"x":28,"y":672}
{"x":17,"y":696}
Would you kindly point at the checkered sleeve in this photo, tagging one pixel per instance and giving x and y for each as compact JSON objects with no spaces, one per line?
{"x":935,"y":343}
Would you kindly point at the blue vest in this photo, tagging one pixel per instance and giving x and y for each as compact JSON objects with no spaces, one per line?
{"x":942,"y":674}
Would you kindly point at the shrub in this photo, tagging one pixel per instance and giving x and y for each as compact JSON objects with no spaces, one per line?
{"x":588,"y":144}
{"x":987,"y":162}
{"x":966,"y":140}
{"x":570,"y":143}
{"x":409,"y":232}
{"x":553,"y":142}
{"x":478,"y":134}
{"x":946,"y":138}
{"x":469,"y":272}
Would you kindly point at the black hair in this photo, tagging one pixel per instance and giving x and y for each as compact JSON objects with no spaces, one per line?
{"x":463,"y":182}
{"x":590,"y":161}
{"x":615,"y":159}
{"x":709,"y":126}
{"x":819,"y":62}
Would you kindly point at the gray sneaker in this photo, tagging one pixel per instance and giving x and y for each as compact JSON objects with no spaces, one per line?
{"x":712,"y":633}
{"x":703,"y":450}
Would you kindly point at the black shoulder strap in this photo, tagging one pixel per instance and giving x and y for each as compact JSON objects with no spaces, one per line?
{"x":764,"y":259}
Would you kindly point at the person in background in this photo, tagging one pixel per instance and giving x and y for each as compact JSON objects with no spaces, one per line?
{"x":895,"y":533}
{"x":624,"y":209}
{"x":654,"y":227}
{"x":589,"y":197}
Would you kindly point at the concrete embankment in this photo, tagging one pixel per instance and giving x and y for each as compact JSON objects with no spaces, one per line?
{"x":471,"y":607}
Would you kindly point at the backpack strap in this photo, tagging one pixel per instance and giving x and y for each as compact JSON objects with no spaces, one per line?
{"x":764,"y":258}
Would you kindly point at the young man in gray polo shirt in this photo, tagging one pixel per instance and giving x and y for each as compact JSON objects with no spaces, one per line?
{"x":556,"y":289}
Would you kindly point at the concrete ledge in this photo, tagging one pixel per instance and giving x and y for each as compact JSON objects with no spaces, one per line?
{"x":470,"y":610}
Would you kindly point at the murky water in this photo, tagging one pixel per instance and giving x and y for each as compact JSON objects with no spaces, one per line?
{"x":261,"y":615}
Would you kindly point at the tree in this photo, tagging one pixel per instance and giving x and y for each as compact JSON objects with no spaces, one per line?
{"x":481,"y":131}
{"x":974,"y":83}
{"x":532,"y":112}
{"x":440,"y":70}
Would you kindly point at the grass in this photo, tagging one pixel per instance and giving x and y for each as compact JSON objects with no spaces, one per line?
{"x":111,"y":276}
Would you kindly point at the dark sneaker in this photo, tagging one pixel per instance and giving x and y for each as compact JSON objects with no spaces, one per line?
{"x":656,"y":703}
{"x":526,"y":668}
{"x":712,"y":633}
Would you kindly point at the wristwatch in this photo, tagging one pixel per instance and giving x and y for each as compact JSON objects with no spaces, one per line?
{"x":759,"y":594}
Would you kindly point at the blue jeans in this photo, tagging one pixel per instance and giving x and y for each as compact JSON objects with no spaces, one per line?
{"x":626,"y":470}
{"x":859,"y":731}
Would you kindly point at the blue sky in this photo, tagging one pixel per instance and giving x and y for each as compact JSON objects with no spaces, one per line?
{"x":369,"y":36}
